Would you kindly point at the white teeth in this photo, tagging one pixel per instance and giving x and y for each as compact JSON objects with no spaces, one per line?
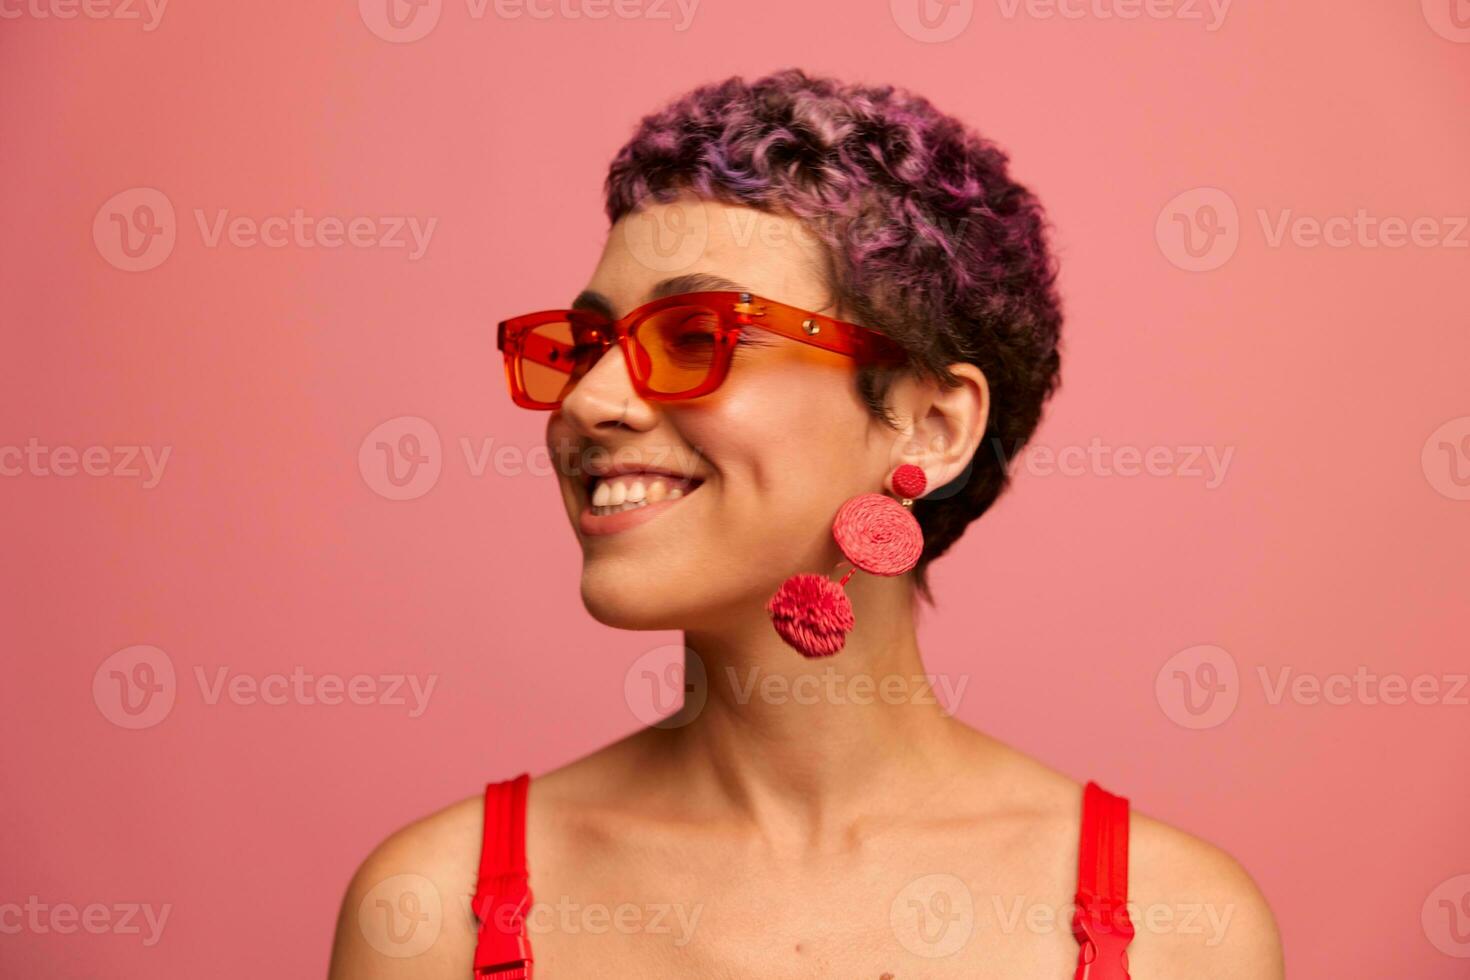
{"x":620,"y":493}
{"x":604,"y":511}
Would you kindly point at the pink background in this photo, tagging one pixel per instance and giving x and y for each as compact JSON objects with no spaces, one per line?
{"x":1336,"y":539}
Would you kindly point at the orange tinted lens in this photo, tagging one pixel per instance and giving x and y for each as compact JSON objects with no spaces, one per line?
{"x":677,"y":348}
{"x":552,"y":359}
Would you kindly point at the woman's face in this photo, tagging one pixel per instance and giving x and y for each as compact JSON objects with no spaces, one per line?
{"x":775,"y":450}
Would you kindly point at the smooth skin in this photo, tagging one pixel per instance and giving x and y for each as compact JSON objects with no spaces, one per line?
{"x":789,"y":826}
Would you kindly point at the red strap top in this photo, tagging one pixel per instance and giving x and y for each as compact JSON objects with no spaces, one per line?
{"x":1101,"y":922}
{"x":503,"y":894}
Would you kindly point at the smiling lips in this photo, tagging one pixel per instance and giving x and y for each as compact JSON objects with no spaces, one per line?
{"x":623,"y":500}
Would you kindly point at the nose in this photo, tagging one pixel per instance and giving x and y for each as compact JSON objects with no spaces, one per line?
{"x":605,"y":396}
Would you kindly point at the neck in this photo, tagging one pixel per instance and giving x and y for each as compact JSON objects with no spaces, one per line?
{"x":802,"y":747}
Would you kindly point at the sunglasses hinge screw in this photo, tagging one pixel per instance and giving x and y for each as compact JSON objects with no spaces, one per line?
{"x":746,"y":306}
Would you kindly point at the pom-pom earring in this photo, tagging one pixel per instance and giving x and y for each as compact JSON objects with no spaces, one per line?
{"x":877,"y":534}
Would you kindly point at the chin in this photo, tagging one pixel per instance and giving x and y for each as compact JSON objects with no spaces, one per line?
{"x":625,"y":596}
{"x":625,"y":601}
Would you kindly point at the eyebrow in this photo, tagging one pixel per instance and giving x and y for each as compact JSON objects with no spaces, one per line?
{"x":694,"y":282}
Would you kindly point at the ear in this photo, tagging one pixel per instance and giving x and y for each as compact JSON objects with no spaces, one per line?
{"x":942,"y":426}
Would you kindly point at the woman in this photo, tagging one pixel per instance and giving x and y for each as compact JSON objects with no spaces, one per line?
{"x":811,"y":294}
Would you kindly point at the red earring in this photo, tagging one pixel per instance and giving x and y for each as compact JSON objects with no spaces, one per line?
{"x":877,"y":534}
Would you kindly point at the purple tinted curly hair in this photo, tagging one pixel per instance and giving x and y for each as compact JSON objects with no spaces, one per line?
{"x":927,"y":238}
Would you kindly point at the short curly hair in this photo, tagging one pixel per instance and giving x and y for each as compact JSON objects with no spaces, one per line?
{"x":926,"y":238}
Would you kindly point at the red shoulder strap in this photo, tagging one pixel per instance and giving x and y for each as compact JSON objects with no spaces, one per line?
{"x":1101,"y":922}
{"x":503,"y":892}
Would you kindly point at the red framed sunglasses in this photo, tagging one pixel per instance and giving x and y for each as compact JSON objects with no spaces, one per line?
{"x":676,"y":348}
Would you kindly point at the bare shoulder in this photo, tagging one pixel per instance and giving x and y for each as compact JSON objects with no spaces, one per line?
{"x":1196,"y":910}
{"x":406,"y":913}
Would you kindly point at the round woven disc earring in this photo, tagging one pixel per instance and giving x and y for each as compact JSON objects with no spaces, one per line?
{"x":877,"y":534}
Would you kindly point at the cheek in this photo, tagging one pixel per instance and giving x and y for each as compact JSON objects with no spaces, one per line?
{"x":561,"y":444}
{"x":787,"y":444}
